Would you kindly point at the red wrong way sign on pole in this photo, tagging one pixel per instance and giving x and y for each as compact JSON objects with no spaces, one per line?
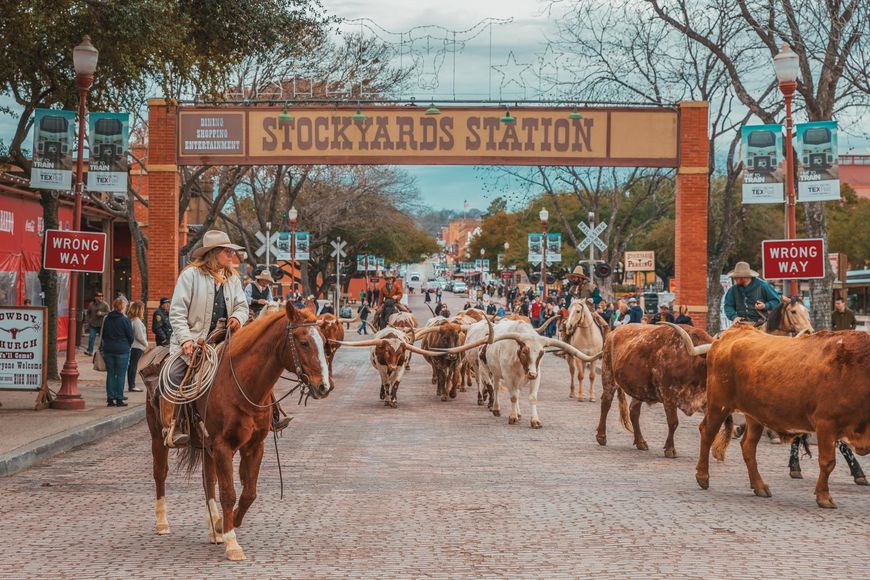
{"x":793,"y":259}
{"x":78,"y":251}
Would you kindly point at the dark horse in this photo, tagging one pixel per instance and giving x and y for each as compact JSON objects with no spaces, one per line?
{"x":791,"y":318}
{"x":237,"y":415}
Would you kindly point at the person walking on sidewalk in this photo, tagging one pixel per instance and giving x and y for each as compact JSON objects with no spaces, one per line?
{"x":842,"y":318}
{"x":117,"y":340}
{"x":160,"y":325}
{"x":97,"y":309}
{"x":363,"y":312}
{"x":140,"y":343}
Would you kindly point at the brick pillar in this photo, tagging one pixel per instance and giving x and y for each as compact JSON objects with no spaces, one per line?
{"x":692,"y":188}
{"x":163,"y":188}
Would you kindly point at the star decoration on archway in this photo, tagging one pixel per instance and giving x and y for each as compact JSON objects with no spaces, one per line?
{"x":512,"y":74}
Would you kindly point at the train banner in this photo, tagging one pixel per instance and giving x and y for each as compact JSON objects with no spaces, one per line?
{"x":107,"y":163}
{"x":286,"y":250}
{"x":554,"y":248}
{"x":536,"y":248}
{"x":763,"y":164}
{"x":53,"y":140}
{"x":818,"y":168}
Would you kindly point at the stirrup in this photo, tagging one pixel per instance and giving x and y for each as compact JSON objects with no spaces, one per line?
{"x":281,"y":423}
{"x":172,"y":439}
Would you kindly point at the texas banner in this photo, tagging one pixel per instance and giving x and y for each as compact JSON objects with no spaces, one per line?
{"x":763,"y":163}
{"x":818,"y":166}
{"x":53,"y":141}
{"x":107,"y":163}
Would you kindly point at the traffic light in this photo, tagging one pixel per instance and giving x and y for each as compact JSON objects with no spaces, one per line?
{"x":602,"y":270}
{"x":277,"y":272}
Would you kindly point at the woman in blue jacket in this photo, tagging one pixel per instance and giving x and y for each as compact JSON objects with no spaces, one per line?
{"x":117,"y":340}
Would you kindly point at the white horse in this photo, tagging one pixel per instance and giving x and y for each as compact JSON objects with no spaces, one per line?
{"x":584,"y":333}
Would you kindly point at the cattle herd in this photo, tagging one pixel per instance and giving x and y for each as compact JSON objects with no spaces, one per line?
{"x":800,"y":382}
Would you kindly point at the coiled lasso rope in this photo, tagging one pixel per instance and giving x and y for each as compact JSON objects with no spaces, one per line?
{"x":197,"y":380}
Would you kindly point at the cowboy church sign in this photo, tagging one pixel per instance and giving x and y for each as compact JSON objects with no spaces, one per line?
{"x":674,"y":137}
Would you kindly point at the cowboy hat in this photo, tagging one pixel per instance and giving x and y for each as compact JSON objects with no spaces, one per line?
{"x":578,"y":273}
{"x":742,"y":270}
{"x":214,"y":239}
{"x":264,"y":275}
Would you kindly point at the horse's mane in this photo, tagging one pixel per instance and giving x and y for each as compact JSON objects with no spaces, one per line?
{"x":775,"y":319}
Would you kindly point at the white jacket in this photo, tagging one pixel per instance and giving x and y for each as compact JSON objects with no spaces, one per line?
{"x":192,"y":303}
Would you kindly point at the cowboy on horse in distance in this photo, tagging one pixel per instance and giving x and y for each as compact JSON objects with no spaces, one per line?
{"x":208,"y":297}
{"x":389,"y":300}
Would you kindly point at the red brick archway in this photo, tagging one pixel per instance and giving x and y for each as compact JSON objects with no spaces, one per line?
{"x":690,"y":159}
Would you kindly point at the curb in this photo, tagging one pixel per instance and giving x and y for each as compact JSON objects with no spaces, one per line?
{"x":33,"y":453}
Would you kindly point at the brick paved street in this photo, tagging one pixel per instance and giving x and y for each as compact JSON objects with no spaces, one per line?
{"x":443,"y":490}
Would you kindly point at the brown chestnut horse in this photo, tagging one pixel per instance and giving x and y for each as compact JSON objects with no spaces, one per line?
{"x":237,"y":414}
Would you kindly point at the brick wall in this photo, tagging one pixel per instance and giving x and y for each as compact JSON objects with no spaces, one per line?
{"x":163,"y":189}
{"x":691,"y":211}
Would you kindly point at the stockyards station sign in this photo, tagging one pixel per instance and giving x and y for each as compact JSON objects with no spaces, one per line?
{"x":23,"y":354}
{"x":406,"y":135}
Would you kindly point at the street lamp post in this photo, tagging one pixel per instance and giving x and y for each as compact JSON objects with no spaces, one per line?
{"x":544,"y":215}
{"x":293,"y":214}
{"x":786,"y":66}
{"x":85,"y":58}
{"x":505,"y":280}
{"x":482,"y":252}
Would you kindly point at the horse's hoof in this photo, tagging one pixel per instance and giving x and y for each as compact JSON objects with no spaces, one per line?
{"x":513,"y":420}
{"x":496,"y":412}
{"x":235,"y":555}
{"x":703,"y":481}
{"x":762,"y":491}
{"x":795,"y":474}
{"x":826,"y":503}
{"x":161,"y":529}
{"x":591,"y":399}
{"x":602,"y":439}
{"x":215,"y":538}
{"x":861,"y":481}
{"x":671,"y":453}
{"x":536,"y":424}
{"x":642,"y":446}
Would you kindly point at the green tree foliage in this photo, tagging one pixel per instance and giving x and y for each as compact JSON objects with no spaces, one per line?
{"x":847,"y":227}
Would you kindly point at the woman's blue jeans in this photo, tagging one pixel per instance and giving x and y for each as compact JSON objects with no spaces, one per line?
{"x":116,"y":375}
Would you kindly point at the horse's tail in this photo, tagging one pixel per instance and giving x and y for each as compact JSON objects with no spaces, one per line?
{"x":623,"y":411}
{"x":723,"y":439}
{"x":189,"y":459}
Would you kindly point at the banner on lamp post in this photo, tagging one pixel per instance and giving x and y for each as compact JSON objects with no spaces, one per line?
{"x":53,"y":140}
{"x":763,"y":163}
{"x":107,"y":162}
{"x":818,"y":175}
{"x":536,"y":248}
{"x":554,"y":248}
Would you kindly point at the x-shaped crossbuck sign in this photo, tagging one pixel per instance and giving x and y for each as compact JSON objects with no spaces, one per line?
{"x":592,"y":236}
{"x":272,"y":241}
{"x":338,"y":248}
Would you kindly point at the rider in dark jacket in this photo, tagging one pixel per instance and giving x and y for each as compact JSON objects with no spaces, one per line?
{"x":750,"y":296}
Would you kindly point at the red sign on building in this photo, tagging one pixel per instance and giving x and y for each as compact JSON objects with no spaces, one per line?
{"x":507,"y":275}
{"x":78,"y":251}
{"x":793,"y":259}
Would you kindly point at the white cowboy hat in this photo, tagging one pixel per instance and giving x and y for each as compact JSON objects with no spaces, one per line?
{"x":742,"y":270}
{"x":578,"y":272}
{"x":264,"y":275}
{"x":214,"y":239}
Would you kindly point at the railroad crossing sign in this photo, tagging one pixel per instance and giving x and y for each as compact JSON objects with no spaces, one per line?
{"x":338,"y":249}
{"x":272,"y":241}
{"x":592,"y":236}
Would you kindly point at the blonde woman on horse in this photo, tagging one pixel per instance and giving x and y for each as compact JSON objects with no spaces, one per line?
{"x":208,"y":292}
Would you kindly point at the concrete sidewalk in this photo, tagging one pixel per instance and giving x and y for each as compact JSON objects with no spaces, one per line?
{"x":28,"y":437}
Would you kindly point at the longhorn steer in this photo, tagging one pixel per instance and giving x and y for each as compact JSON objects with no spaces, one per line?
{"x":444,"y":334}
{"x":817,"y":383}
{"x":651,"y":364}
{"x":404,"y":321}
{"x":514,"y":360}
{"x":333,"y":331}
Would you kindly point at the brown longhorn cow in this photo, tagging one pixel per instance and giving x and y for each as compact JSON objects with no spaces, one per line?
{"x":650,"y":363}
{"x":814,"y":383}
{"x":446,"y":370}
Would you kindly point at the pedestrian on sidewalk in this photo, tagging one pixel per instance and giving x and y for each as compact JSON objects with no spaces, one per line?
{"x":363,"y":312}
{"x":140,"y":343}
{"x":160,"y":323}
{"x":842,"y":318}
{"x":97,"y":309}
{"x":117,"y":340}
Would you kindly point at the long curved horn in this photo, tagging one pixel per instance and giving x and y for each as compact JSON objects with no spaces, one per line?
{"x":803,"y":332}
{"x":699,"y":350}
{"x":476,"y":343}
{"x":422,"y":331}
{"x":430,"y":309}
{"x":546,"y":323}
{"x":410,"y":346}
{"x":571,"y":350}
{"x":369,"y":342}
{"x":349,"y":320}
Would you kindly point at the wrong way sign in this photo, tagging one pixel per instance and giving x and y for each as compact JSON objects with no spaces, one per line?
{"x":793,"y":259}
{"x":75,"y":251}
